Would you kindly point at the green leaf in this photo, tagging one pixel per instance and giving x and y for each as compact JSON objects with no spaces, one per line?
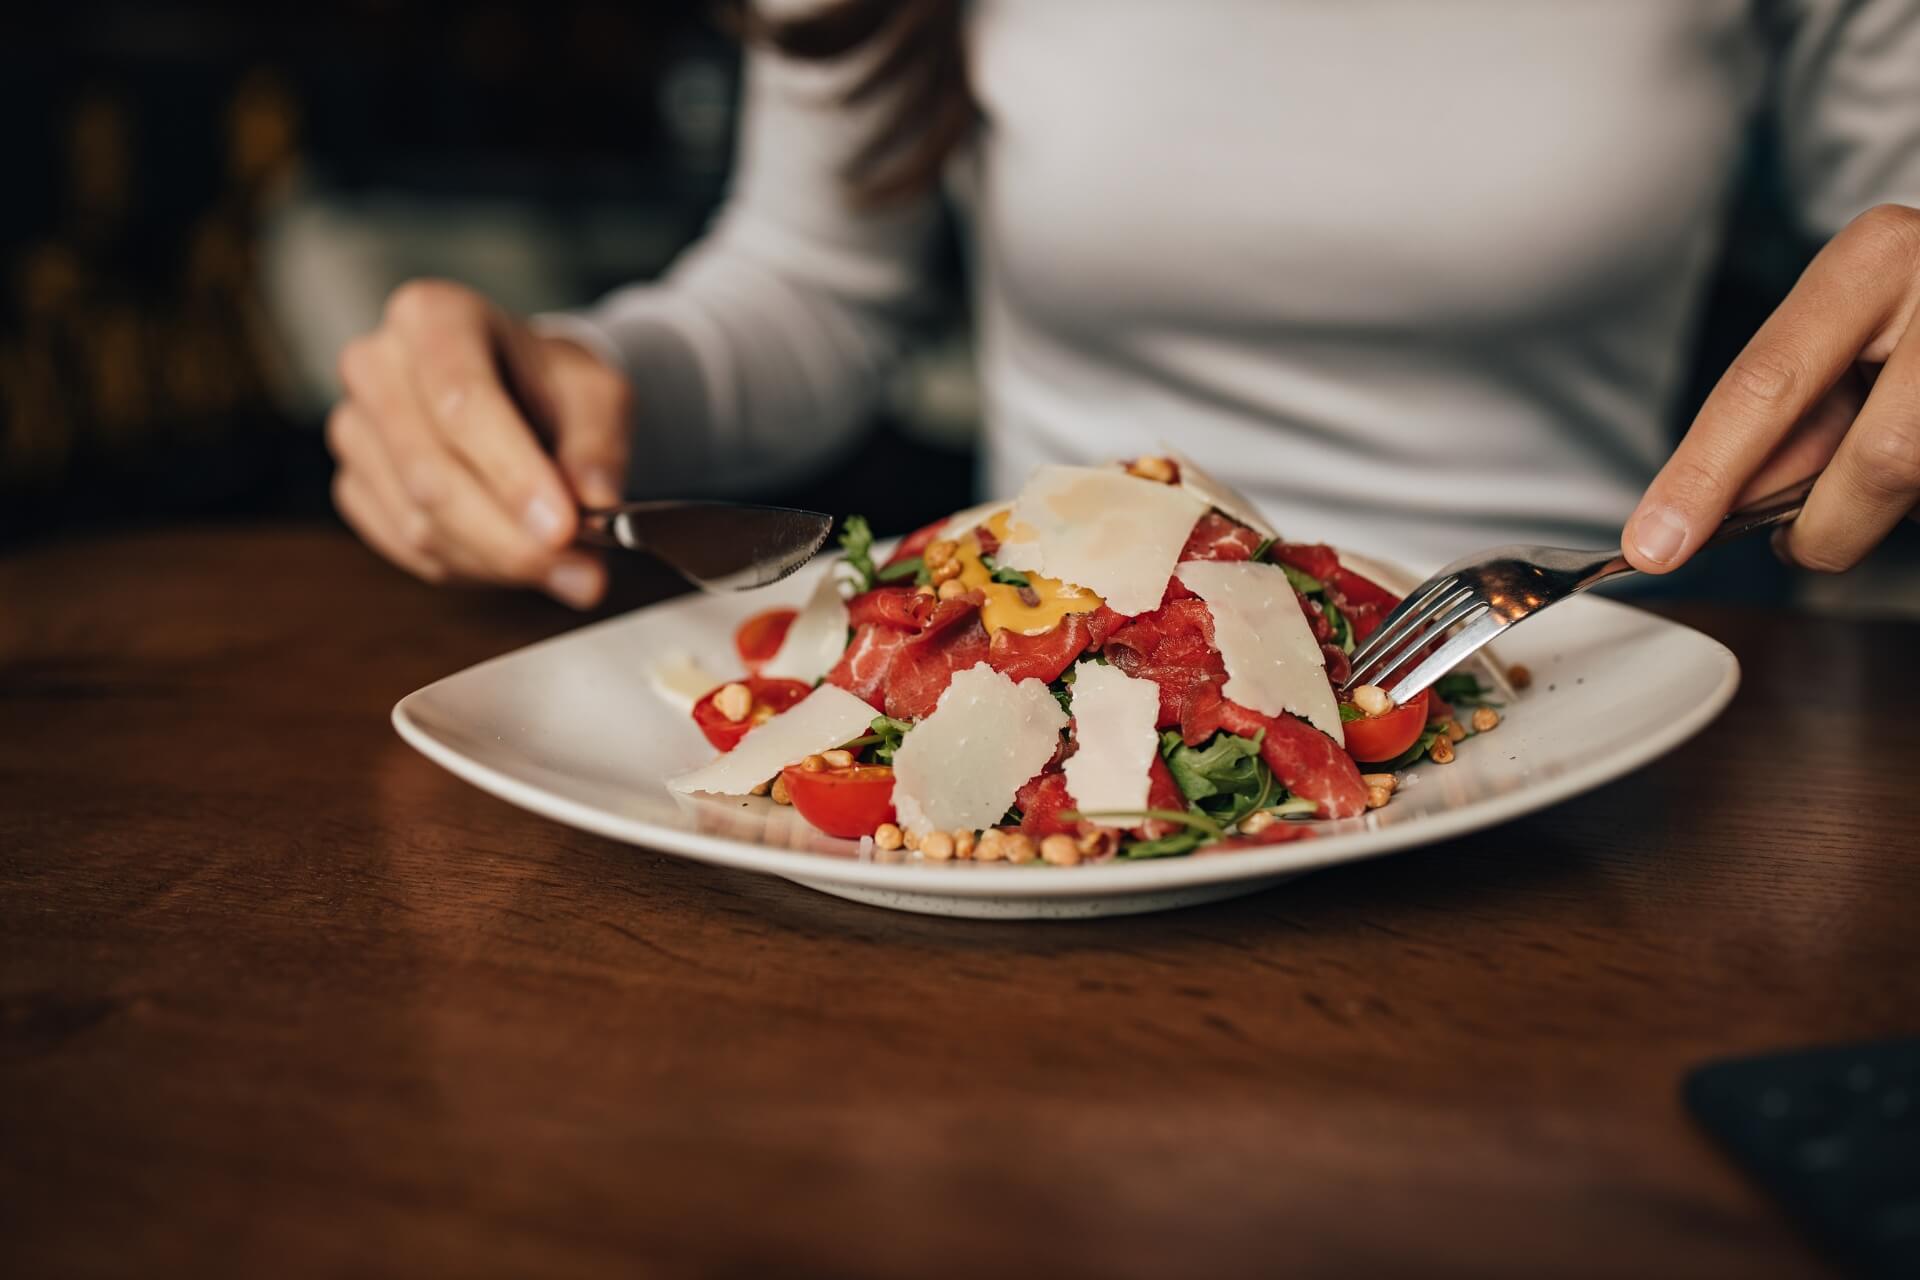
{"x":856,"y":541}
{"x":914,"y":567}
{"x":1349,"y":713}
{"x":1305,"y":583}
{"x":1260,"y":552}
{"x":1225,"y":778}
{"x":1175,"y":845}
{"x":1342,"y":629}
{"x":1463,"y":689}
{"x":1000,"y":573}
{"x":1296,"y":805}
{"x":1190,"y":818}
{"x":1411,"y":756}
{"x":884,"y":739}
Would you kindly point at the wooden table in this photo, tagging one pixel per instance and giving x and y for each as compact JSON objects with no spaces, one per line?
{"x":279,"y":996}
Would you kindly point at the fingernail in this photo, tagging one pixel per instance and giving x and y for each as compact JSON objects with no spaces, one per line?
{"x":544,"y":520}
{"x":1660,"y":535}
{"x":598,"y":487}
{"x":575,"y":581}
{"x":1779,"y":544}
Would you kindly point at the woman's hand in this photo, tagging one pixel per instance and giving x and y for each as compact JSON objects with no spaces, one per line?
{"x":1831,"y":380}
{"x":442,"y":469}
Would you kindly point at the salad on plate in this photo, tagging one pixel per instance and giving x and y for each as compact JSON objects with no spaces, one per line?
{"x":1122,"y":662}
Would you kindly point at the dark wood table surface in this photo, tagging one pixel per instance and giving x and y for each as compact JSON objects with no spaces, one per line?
{"x":277,"y":995}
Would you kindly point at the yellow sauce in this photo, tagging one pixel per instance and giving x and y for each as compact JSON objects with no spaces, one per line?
{"x":1004,"y":610}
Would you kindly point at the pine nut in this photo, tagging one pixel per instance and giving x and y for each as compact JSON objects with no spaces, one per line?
{"x":888,"y":836}
{"x":733,"y":701}
{"x":1060,"y":850}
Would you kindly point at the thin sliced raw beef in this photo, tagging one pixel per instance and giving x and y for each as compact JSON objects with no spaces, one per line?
{"x":1041,"y":802}
{"x":1041,"y":657}
{"x":1307,"y":762}
{"x":862,"y":669}
{"x":1215,"y":537}
{"x":1162,"y":793}
{"x":1365,"y":603}
{"x":1315,"y":559}
{"x":916,"y":542}
{"x":953,"y":641}
{"x":901,"y":607}
{"x":1278,"y":833}
{"x":1173,"y":647}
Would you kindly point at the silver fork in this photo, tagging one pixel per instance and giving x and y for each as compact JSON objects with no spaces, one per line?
{"x":1486,"y":593}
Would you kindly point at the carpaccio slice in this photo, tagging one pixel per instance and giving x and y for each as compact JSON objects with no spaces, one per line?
{"x":1306,"y":761}
{"x":923,"y":667}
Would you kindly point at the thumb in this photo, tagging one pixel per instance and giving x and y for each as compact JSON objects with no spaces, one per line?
{"x":592,"y":420}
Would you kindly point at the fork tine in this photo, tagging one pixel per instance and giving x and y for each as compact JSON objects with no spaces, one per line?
{"x":1449,"y":655}
{"x":1463,"y":606}
{"x":1404,"y":622}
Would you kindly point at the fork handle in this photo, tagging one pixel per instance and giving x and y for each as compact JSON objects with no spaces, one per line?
{"x":1776,"y":508}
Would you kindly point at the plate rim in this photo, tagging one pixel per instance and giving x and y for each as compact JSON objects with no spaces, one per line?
{"x":1119,"y":878}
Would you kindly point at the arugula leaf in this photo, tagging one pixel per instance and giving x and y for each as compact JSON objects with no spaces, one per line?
{"x":1349,"y":713}
{"x":1225,"y":779}
{"x":1260,"y":552}
{"x":1411,"y":756}
{"x":1062,"y":691}
{"x":1000,"y":573}
{"x":1192,"y":818}
{"x":1167,"y":846}
{"x":1287,"y":808}
{"x":1463,"y":689}
{"x":884,"y":738}
{"x":1342,"y":629}
{"x":1305,"y":583}
{"x":856,"y":540}
{"x":914,"y":567}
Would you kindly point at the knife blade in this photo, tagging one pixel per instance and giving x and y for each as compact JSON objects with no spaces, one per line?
{"x":717,"y":546}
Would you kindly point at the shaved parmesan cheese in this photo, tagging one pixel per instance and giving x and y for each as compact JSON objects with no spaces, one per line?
{"x":1113,"y":718}
{"x":958,"y":769}
{"x":680,"y":681}
{"x":1274,"y":664}
{"x":1114,"y":534}
{"x":1221,"y":496}
{"x":816,"y":639}
{"x":826,"y":718}
{"x":962,"y":523}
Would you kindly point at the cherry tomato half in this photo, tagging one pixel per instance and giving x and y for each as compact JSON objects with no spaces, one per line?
{"x":759,"y":637}
{"x":770,"y":698}
{"x":848,"y":803}
{"x":1383,"y":737}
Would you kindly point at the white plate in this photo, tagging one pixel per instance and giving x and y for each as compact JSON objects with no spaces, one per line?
{"x":571,"y":728}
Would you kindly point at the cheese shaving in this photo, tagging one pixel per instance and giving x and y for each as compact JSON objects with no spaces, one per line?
{"x":1274,"y":665}
{"x":1113,"y":719}
{"x":1114,"y":534}
{"x":958,"y":769}
{"x":828,"y":717}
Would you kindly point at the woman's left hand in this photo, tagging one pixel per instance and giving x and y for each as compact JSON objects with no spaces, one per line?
{"x":1832,"y":381}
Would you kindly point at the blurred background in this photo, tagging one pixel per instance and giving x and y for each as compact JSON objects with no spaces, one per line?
{"x":210,"y":200}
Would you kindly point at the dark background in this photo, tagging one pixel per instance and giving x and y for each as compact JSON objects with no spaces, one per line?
{"x":194,"y":182}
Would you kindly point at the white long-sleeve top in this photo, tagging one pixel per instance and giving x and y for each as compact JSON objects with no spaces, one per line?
{"x":1418,"y":275}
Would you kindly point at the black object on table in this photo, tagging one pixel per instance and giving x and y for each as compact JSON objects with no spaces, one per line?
{"x":1834,"y":1132}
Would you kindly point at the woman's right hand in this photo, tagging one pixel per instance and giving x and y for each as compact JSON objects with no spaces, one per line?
{"x":443,"y":443}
